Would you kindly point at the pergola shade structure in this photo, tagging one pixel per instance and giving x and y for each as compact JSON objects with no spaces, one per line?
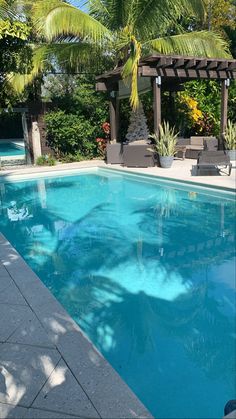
{"x":167,"y":72}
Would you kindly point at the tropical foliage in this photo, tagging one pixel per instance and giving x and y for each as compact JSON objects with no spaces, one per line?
{"x":15,"y":55}
{"x":121,"y":31}
{"x":72,"y":128}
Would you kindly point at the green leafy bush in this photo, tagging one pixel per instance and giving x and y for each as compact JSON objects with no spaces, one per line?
{"x":46,"y":160}
{"x":70,"y":134}
{"x":70,"y":158}
{"x":73,"y":128}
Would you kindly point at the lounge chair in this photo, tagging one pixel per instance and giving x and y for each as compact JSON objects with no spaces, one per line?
{"x":208,"y":160}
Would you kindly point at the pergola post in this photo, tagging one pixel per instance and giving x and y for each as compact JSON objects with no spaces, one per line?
{"x":113,"y":116}
{"x":117,"y":118}
{"x":224,"y":109}
{"x":157,"y":103}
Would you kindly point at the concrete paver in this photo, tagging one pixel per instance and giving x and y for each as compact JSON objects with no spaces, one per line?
{"x":11,"y":317}
{"x":64,"y":393}
{"x":11,"y":295}
{"x":10,"y":411}
{"x":32,"y":333}
{"x":24,"y":370}
{"x":46,"y":414}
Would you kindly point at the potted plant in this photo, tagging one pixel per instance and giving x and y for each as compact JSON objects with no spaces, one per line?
{"x":230,"y":139}
{"x":165,"y":144}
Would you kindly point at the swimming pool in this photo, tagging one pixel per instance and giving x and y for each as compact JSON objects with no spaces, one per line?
{"x":10,"y":148}
{"x":146,"y":268}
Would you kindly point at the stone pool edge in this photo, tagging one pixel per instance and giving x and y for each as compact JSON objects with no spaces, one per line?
{"x":108,"y":393}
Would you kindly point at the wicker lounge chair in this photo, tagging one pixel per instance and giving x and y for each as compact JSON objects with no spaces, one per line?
{"x":208,"y":160}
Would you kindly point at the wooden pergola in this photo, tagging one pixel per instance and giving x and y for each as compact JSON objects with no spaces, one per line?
{"x":167,"y":72}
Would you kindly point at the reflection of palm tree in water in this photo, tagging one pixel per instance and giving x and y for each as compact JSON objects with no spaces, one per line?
{"x":194,"y":320}
{"x":3,"y":386}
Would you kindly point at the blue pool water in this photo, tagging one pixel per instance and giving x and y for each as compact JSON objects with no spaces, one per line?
{"x":11,"y":149}
{"x":147,"y":269}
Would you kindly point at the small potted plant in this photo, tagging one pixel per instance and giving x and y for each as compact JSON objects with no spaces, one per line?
{"x":165,"y":144}
{"x":230,"y":139}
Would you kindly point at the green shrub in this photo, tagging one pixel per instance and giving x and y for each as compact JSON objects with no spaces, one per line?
{"x":70,"y":158}
{"x":70,"y":134}
{"x":46,"y":160}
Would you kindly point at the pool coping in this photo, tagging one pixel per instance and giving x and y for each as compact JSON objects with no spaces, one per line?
{"x":73,"y":168}
{"x":169,"y":179}
{"x":108,"y":393}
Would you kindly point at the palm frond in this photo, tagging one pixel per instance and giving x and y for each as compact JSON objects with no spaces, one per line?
{"x":112,"y":13}
{"x":57,"y":18}
{"x":74,"y":56}
{"x":150,"y":15}
{"x":199,"y":44}
{"x":20,"y":81}
{"x":6,"y":11}
{"x":130,"y":70}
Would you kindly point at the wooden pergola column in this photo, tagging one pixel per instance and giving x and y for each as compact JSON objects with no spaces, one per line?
{"x":113,"y":115}
{"x":224,"y":109}
{"x":157,"y":103}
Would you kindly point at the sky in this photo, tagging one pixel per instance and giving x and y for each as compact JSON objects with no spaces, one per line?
{"x":79,"y":3}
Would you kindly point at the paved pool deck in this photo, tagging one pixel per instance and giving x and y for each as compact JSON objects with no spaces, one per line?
{"x":48,"y":367}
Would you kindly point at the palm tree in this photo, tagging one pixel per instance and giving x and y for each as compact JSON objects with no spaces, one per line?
{"x":123,"y":29}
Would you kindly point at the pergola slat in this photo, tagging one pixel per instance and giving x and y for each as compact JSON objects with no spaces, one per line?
{"x":179,"y":63}
{"x":222,"y":66}
{"x":201,"y":64}
{"x":212,"y":65}
{"x":190,"y":63}
{"x":164,"y":62}
{"x":232,"y":66}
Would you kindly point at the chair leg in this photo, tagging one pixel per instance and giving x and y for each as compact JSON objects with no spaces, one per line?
{"x":230,"y":168}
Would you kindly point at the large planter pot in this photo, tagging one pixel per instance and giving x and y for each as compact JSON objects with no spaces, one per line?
{"x":232,"y":154}
{"x":166,"y":161}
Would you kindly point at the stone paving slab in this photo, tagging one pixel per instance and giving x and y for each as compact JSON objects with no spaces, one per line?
{"x":11,"y":317}
{"x":64,"y":393}
{"x":32,"y":333}
{"x":24,"y":370}
{"x":5,"y":279}
{"x":11,"y":295}
{"x":46,"y":414}
{"x":8,"y":411}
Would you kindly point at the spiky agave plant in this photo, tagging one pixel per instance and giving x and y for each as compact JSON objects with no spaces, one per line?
{"x":230,"y":136}
{"x":165,"y":143}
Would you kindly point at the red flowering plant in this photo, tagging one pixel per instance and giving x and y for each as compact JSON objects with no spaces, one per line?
{"x":102,"y":142}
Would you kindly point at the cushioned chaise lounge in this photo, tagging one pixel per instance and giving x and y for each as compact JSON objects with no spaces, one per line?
{"x":208,"y":160}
